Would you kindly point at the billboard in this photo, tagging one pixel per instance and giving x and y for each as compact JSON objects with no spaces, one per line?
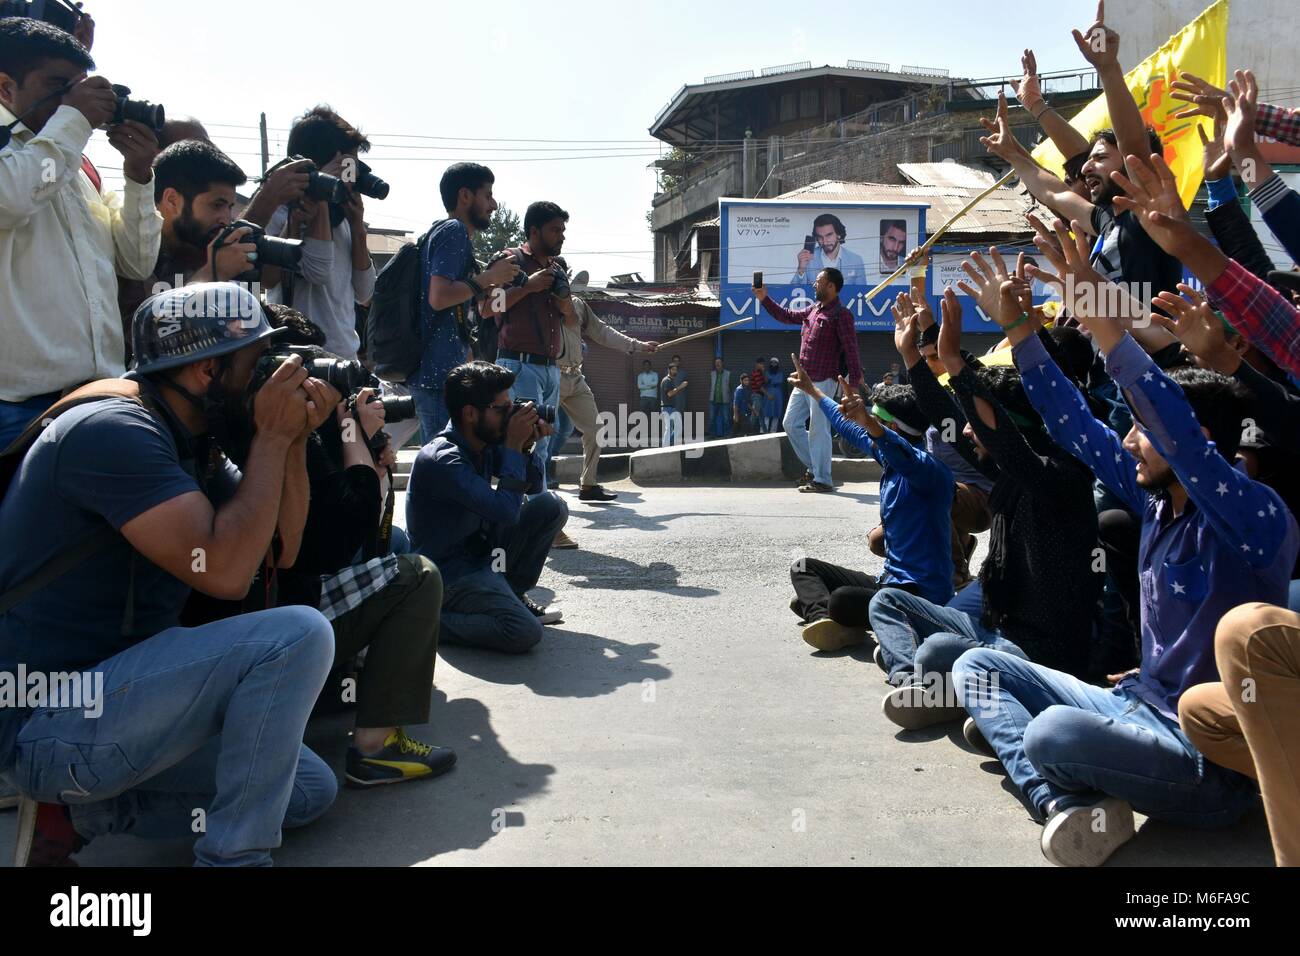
{"x":790,"y":241}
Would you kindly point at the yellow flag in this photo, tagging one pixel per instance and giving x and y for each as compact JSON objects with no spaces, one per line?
{"x":1201,"y":47}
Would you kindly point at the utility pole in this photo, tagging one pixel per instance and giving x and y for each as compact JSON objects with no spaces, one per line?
{"x":266,"y":147}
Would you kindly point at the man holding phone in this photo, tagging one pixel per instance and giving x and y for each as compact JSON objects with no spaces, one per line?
{"x":824,"y":249}
{"x":828,"y":344}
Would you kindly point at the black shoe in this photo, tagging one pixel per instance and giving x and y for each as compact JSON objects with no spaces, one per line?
{"x":401,"y":759}
{"x":596,"y":493}
{"x":539,"y":612}
{"x":805,"y":479}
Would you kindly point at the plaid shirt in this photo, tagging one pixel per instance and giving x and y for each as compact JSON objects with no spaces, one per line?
{"x":341,"y":592}
{"x":827,"y":337}
{"x":1259,"y":312}
{"x":1279,"y":123}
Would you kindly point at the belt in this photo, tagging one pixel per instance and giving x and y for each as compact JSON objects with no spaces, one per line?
{"x":571,"y":369}
{"x":527,"y":358}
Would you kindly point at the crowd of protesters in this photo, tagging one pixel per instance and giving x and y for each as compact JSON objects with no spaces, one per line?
{"x":197,"y":511}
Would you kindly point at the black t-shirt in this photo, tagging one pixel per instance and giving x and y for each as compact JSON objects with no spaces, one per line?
{"x":1123,"y":252}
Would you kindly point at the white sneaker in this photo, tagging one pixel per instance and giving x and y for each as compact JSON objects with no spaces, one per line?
{"x":913,"y":706}
{"x":1087,"y":835}
{"x":878,"y":656}
{"x":975,"y":737}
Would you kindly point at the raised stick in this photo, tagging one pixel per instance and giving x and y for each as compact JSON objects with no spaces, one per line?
{"x":939,"y":232}
{"x":698,"y":335}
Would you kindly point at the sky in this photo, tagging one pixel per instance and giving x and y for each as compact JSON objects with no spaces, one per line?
{"x":556,"y":98}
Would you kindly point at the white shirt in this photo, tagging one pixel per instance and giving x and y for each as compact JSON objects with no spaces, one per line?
{"x":648,"y":384}
{"x":62,"y":246}
{"x":327,"y":289}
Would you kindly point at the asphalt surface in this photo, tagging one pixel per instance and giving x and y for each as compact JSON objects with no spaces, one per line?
{"x":676,"y":718}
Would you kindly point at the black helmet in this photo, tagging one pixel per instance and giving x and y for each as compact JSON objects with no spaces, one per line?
{"x":196,"y":322}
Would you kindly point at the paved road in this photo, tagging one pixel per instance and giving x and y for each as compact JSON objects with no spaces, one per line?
{"x":677,"y":718}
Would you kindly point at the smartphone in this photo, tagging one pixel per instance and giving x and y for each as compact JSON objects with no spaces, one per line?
{"x":758,"y":280}
{"x":809,"y":243}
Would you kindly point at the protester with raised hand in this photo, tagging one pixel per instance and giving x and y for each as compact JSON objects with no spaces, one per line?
{"x":1081,"y":754}
{"x":915,"y":500}
{"x":1281,"y":123}
{"x":1069,"y":142}
{"x":1259,"y":312}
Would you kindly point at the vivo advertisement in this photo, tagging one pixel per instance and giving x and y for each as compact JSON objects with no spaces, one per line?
{"x":791,"y":241}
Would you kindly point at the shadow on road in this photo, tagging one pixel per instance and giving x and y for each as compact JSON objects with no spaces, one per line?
{"x":591,"y":569}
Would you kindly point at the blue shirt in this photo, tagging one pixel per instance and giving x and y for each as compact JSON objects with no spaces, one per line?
{"x":108,"y":463}
{"x":447,"y":253}
{"x":915,"y":508}
{"x":740,"y":400}
{"x":1234,"y":542}
{"x":450,"y":498}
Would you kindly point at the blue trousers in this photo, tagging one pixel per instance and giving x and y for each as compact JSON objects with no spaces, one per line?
{"x":539,"y":384}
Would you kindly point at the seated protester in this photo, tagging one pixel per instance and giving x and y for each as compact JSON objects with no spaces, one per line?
{"x":122,"y":483}
{"x":386,"y":604}
{"x":490,"y":544}
{"x":1211,"y":538}
{"x":915,"y":499}
{"x":1044,"y":530}
{"x":742,"y":410}
{"x":194,"y":187}
{"x":1257,"y":646}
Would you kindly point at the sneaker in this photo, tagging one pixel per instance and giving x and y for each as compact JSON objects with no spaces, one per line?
{"x":541,"y":613}
{"x":878,"y":656}
{"x":45,"y":835}
{"x":975,"y":737}
{"x":1087,"y":835}
{"x":816,"y":486}
{"x":914,"y":706}
{"x":806,"y":478}
{"x":563,"y":542}
{"x":402,"y":758}
{"x":596,"y":493}
{"x":826,"y":635}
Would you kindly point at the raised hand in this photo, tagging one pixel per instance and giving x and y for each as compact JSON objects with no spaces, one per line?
{"x":1027,"y":90}
{"x":1000,"y":141}
{"x":1004,"y":298}
{"x":1240,"y":108}
{"x":1152,"y":196}
{"x":1099,"y":44}
{"x":1206,"y":98}
{"x":800,"y":378}
{"x":950,"y":333}
{"x":1196,"y":325}
{"x":1088,"y":295}
{"x":905,"y":329}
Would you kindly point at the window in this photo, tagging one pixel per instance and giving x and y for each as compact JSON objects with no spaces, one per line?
{"x":810,"y":103}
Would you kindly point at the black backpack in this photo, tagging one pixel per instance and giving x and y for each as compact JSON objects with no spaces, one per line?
{"x":393,"y":340}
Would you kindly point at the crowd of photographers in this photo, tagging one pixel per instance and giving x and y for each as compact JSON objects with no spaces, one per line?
{"x":197,"y":498}
{"x":197,"y":489}
{"x":1131,"y":641}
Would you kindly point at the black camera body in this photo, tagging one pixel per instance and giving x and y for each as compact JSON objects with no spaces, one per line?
{"x":545,"y":412}
{"x":271,"y":251}
{"x":325,"y":188}
{"x":397,"y":408}
{"x":142,"y":111}
{"x":59,"y":13}
{"x":560,"y":287}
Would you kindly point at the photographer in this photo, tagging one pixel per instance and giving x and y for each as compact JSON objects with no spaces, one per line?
{"x":489,"y":543}
{"x":386,"y":603}
{"x":60,"y":238}
{"x":336,"y":271}
{"x":531,"y":319}
{"x":194,"y":190}
{"x":116,"y":505}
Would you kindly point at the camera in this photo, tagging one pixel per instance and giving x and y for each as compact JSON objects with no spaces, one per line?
{"x":323,"y":186}
{"x":368,"y":184}
{"x":545,"y":412}
{"x":271,"y":251}
{"x":142,"y":111}
{"x":560,"y":287}
{"x":397,"y":408}
{"x":345,"y":375}
{"x":59,"y":13}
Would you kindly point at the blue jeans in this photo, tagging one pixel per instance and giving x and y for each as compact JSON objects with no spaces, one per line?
{"x":206,"y":718}
{"x":720,"y":419}
{"x":918,"y":637}
{"x":672,"y":434}
{"x":812,"y":445}
{"x":539,"y":384}
{"x":431,"y":409}
{"x":1059,"y":737}
{"x":969,"y":600}
{"x":15,"y":416}
{"x":483,"y":608}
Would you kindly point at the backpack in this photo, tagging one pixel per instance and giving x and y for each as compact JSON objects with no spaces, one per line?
{"x":11,"y":458}
{"x":393,"y":326}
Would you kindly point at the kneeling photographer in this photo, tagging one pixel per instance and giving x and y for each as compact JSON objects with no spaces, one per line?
{"x":385,"y":604}
{"x":119,"y":502}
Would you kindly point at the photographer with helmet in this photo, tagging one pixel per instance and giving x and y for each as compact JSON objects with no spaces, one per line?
{"x":61,"y":237}
{"x":123,"y":503}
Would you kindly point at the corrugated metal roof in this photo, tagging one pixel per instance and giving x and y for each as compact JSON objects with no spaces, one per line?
{"x":1002,"y":212}
{"x":946,"y":174}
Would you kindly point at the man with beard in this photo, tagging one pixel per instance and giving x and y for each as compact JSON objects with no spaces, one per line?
{"x":531,"y":318}
{"x":489,"y":543}
{"x":451,"y":276}
{"x":828,"y":233}
{"x":115,"y":505}
{"x":194,"y":190}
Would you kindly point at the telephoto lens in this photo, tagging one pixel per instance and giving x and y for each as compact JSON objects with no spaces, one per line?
{"x":368,"y":184}
{"x":323,"y":186}
{"x":344,"y":374}
{"x":545,"y":412}
{"x":142,"y":111}
{"x":272,"y":251}
{"x":397,"y":408}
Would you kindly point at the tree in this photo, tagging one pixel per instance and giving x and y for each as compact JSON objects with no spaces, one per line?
{"x":504,"y":231}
